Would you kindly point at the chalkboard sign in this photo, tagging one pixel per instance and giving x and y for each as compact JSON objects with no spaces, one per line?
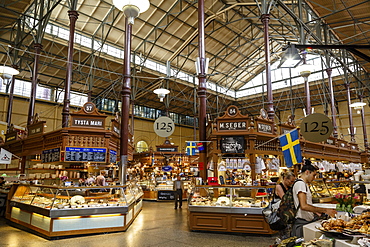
{"x":51,"y":155}
{"x":232,"y":144}
{"x":112,"y":156}
{"x":166,"y":195}
{"x":85,"y":154}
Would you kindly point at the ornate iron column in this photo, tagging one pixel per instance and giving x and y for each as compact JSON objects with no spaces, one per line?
{"x":265,"y":18}
{"x":126,"y":93}
{"x":350,"y":115}
{"x":11,"y":97}
{"x":73,"y":16}
{"x":333,"y":111}
{"x":202,"y":91}
{"x":31,"y":108}
{"x":366,"y":144}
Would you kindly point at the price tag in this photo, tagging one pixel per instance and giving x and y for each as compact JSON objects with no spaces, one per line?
{"x":316,"y":127}
{"x":164,"y":126}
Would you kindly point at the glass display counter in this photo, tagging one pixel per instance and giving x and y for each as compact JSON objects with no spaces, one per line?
{"x":324,"y":190}
{"x":229,"y":208}
{"x":161,"y":190}
{"x":60,"y":211}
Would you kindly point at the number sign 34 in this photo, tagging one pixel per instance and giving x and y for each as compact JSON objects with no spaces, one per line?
{"x":316,"y":127}
{"x":164,"y":126}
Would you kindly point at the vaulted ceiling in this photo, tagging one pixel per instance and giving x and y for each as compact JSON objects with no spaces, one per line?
{"x":168,"y":34}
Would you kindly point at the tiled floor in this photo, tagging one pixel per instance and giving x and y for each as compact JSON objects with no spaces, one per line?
{"x":158,"y":224}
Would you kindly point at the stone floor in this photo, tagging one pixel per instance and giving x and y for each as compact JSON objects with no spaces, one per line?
{"x":158,"y":224}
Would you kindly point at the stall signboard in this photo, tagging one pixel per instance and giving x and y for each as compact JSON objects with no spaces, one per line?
{"x":166,"y":195}
{"x":232,"y":144}
{"x":166,"y":149}
{"x":232,"y":125}
{"x":79,"y":154}
{"x":50,"y":155}
{"x":264,"y":128}
{"x":112,"y":156}
{"x":87,"y":122}
{"x":37,"y":128}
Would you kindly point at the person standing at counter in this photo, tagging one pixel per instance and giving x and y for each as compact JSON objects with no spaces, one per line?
{"x":280,"y":189}
{"x":286,"y":183}
{"x":100,"y":180}
{"x":306,"y":213}
{"x":178,"y":187}
{"x":2,"y":181}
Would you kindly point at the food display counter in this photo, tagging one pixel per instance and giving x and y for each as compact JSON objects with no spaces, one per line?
{"x":324,"y":190}
{"x":61,"y":211}
{"x":161,"y":190}
{"x":228,"y":209}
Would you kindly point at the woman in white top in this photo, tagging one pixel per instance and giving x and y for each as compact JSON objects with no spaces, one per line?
{"x":303,"y":200}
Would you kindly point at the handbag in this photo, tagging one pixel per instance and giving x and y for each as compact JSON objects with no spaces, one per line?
{"x":271,"y":216}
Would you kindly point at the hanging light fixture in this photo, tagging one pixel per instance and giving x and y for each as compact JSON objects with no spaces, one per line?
{"x":7,"y":72}
{"x":358,"y":106}
{"x":161,"y":92}
{"x":305,"y":69}
{"x":132,"y":8}
{"x":291,"y":58}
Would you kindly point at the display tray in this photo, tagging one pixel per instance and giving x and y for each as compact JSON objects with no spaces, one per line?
{"x":228,"y":210}
{"x":333,"y":233}
{"x":53,"y":213}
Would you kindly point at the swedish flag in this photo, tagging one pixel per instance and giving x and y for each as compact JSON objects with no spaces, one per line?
{"x":191,"y":148}
{"x":291,"y":148}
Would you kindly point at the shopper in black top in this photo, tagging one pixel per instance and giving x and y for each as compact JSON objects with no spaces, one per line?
{"x":288,"y":179}
{"x":286,"y":183}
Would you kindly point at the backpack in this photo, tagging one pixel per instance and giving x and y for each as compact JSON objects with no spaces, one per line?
{"x":271,"y":216}
{"x":287,"y":211}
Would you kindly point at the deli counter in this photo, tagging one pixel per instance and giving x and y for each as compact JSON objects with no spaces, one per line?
{"x":162,"y":190}
{"x":61,"y":211}
{"x":229,"y":208}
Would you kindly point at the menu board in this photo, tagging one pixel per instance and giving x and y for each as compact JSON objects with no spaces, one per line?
{"x":85,"y":154}
{"x":51,"y":155}
{"x":112,"y":156}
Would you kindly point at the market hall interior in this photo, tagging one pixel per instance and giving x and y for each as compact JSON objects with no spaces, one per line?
{"x":158,"y":224}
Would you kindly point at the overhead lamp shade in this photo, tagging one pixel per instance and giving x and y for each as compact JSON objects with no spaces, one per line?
{"x":161,"y":92}
{"x":305,"y":69}
{"x":142,"y":5}
{"x":357,"y":105}
{"x":7,"y":72}
{"x":291,"y":58}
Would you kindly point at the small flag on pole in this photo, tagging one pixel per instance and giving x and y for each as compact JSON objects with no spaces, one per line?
{"x":191,"y":148}
{"x":291,"y":148}
{"x":200,"y":146}
{"x":5,"y":156}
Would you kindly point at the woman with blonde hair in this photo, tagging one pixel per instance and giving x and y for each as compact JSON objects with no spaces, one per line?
{"x":288,"y":179}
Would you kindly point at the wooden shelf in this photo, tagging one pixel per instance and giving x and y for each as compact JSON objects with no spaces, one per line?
{"x":67,"y":169}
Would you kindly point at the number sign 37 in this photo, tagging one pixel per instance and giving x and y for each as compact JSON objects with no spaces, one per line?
{"x":164,"y":126}
{"x":316,"y":127}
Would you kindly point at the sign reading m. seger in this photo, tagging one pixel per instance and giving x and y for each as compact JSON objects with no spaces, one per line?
{"x":240,"y":125}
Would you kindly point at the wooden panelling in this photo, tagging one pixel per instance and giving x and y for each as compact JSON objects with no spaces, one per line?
{"x":250,"y":223}
{"x":204,"y":221}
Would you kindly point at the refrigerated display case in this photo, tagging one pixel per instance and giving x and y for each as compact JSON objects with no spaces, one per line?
{"x":60,"y":211}
{"x":228,"y":209}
